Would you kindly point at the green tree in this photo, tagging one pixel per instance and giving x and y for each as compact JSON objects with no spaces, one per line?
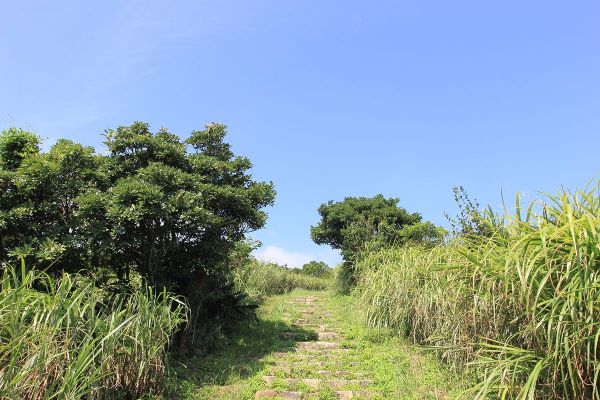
{"x":353,"y":223}
{"x":170,"y":210}
{"x":423,"y":233}
{"x":15,"y":145}
{"x":347,"y":225}
{"x":39,"y":206}
{"x":316,"y":268}
{"x":173,"y":215}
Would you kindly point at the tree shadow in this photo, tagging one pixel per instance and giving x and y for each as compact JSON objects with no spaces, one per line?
{"x":239,"y":352}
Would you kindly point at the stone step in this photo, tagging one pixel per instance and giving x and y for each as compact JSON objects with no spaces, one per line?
{"x":314,"y":363}
{"x":305,"y":299}
{"x":303,"y":356}
{"x":318,"y":345}
{"x":298,"y":335}
{"x":309,"y":323}
{"x":340,"y":374}
{"x":278,"y":394}
{"x":349,"y":394}
{"x":317,"y":326}
{"x":325,"y":352}
{"x":311,"y":370}
{"x":324,"y":336}
{"x":341,"y":394}
{"x":315,"y":383}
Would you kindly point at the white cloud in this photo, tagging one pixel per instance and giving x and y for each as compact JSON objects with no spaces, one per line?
{"x":291,"y":258}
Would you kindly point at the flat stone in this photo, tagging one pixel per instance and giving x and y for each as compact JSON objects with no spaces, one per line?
{"x":262,"y":394}
{"x":296,"y":335}
{"x":313,"y":383}
{"x":343,"y":382}
{"x":288,"y":364}
{"x":319,"y":345}
{"x":345,"y":394}
{"x":327,"y":335}
{"x":307,"y":298}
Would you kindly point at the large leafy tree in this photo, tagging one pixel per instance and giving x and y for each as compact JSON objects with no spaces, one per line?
{"x":347,"y":224}
{"x":316,"y":268}
{"x":350,"y":224}
{"x":15,"y":145}
{"x":38,"y":204}
{"x":170,"y":210}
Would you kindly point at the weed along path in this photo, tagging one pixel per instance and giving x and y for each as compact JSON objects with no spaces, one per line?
{"x":309,"y":345}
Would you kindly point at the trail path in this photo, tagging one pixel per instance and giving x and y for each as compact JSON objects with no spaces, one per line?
{"x":324,"y":368}
{"x":312,"y":346}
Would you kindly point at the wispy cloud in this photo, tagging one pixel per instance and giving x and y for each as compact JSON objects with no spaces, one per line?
{"x":291,"y":258}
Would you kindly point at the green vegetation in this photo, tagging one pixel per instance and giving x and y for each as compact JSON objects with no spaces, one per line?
{"x":316,"y":268}
{"x":143,"y":249}
{"x":351,"y":224}
{"x":401,"y":371}
{"x":518,"y":307}
{"x":260,"y":279}
{"x":114,"y":233}
{"x":59,"y":338}
{"x":168,"y":210}
{"x":236,"y":367}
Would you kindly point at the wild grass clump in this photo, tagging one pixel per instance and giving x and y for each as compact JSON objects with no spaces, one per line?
{"x":520,"y":309}
{"x":59,"y":338}
{"x":260,"y":279}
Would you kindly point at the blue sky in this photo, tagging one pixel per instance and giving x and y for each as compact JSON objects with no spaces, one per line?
{"x":327,"y":98}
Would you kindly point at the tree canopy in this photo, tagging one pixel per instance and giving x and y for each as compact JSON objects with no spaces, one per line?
{"x":170,"y":210}
{"x":316,"y":268}
{"x":350,"y":224}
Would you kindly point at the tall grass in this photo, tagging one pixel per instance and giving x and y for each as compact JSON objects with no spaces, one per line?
{"x":260,"y":279}
{"x":520,"y":309}
{"x":59,"y":340}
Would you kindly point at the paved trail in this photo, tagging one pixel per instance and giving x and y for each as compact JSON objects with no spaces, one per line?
{"x":324,"y":368}
{"x":312,"y":346}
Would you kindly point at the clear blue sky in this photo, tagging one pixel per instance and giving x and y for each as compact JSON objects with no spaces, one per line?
{"x":327,"y":98}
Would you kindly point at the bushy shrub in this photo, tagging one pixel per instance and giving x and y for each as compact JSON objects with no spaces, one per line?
{"x":521,"y":307}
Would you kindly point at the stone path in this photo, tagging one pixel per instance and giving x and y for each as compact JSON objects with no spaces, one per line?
{"x":326,"y":367}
